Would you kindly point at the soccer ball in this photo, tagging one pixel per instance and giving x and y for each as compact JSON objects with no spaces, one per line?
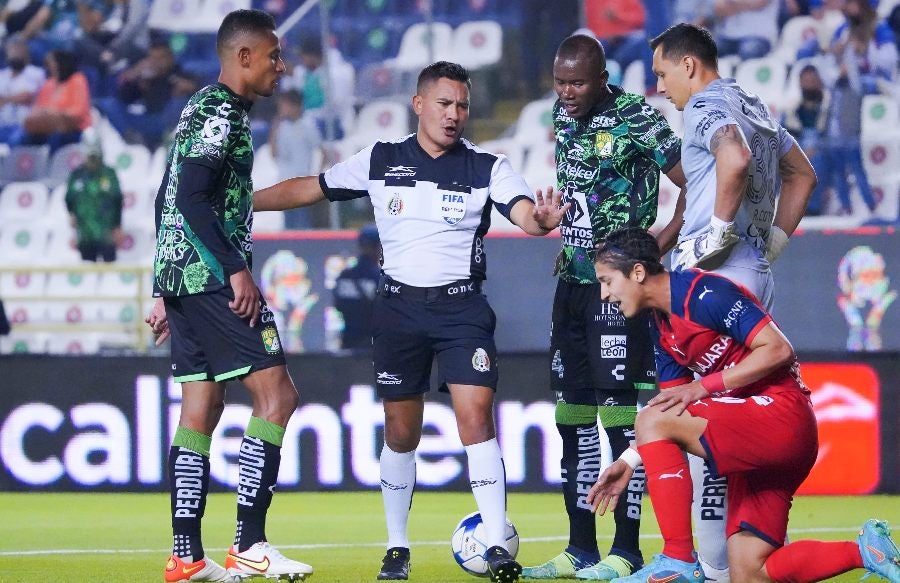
{"x":469,"y":544}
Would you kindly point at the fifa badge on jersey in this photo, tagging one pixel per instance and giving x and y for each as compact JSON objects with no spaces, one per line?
{"x":453,"y":207}
{"x":395,"y":205}
{"x":270,"y":340}
{"x":604,"y":144}
{"x":481,"y":361}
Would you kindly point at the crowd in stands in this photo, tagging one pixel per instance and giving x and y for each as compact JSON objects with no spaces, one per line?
{"x":73,"y":64}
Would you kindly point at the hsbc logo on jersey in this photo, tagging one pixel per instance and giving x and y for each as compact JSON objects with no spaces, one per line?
{"x":613,"y":346}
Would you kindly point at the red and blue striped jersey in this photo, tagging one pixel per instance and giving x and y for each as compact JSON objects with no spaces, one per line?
{"x":712,"y":324}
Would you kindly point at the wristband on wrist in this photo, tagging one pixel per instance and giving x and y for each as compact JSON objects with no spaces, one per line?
{"x":714,"y":383}
{"x":631,"y":457}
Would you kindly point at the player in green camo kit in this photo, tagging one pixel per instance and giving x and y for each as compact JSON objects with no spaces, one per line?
{"x":610,"y":148}
{"x":220,"y":326}
{"x":94,"y":202}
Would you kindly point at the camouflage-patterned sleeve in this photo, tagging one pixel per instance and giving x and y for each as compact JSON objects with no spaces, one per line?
{"x":652,"y":135}
{"x":212,"y":126}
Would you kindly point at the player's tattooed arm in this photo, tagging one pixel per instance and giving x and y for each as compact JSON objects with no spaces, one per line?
{"x":798,"y":179}
{"x":732,"y":154}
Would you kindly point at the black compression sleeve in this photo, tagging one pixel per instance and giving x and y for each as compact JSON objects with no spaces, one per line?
{"x":193,"y":200}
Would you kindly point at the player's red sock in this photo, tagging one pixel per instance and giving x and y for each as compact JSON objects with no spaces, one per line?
{"x":812,"y":560}
{"x":669,"y":484}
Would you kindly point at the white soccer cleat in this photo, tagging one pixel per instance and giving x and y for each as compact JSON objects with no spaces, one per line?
{"x":179,"y":571}
{"x":264,"y":560}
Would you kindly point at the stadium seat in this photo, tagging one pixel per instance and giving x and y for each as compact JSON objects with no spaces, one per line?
{"x":382,"y":119}
{"x":191,"y":15}
{"x":478,"y":44}
{"x":879,"y":112}
{"x":63,"y":162}
{"x":23,"y":244}
{"x":74,"y":343}
{"x":138,"y":247}
{"x":377,"y":81}
{"x":73,"y":284}
{"x":540,"y":166}
{"x":535,"y":123}
{"x":510,"y":148}
{"x":25,"y":311}
{"x":61,"y":246}
{"x":417,"y":42}
{"x":125,"y":312}
{"x":137,"y":204}
{"x":672,"y":115}
{"x":727,"y":66}
{"x":131,"y":163}
{"x":24,"y":164}
{"x":765,"y":77}
{"x":23,"y":202}
{"x":881,"y":154}
{"x":887,"y":192}
{"x":74,"y":312}
{"x":120,"y":284}
{"x":795,"y":33}
{"x":25,"y":283}
{"x":24,"y":342}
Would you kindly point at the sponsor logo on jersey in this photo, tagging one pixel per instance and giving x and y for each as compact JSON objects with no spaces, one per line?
{"x":395,"y":205}
{"x":386,"y":378}
{"x":400,"y":171}
{"x":613,"y":346}
{"x":557,"y":365}
{"x":578,"y":171}
{"x":708,"y":120}
{"x":604,"y":144}
{"x":602,"y":121}
{"x":736,"y":310}
{"x":481,"y":362}
{"x":453,"y":207}
{"x":618,"y":372}
{"x":576,"y":152}
{"x":215,"y":130}
{"x":709,"y":358}
{"x":270,"y":340}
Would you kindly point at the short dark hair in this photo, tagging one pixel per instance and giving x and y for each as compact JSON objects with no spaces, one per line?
{"x":624,"y":248}
{"x":238,"y":22}
{"x":683,"y":39}
{"x":584,"y":47}
{"x":66,"y":63}
{"x":443,"y":70}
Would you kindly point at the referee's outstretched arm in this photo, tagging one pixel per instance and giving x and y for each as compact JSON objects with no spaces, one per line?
{"x":540,"y":216}
{"x":289,"y":194}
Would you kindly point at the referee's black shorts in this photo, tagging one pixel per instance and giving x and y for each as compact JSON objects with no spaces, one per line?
{"x":210,"y":342}
{"x":593,"y":346}
{"x":413,"y":325}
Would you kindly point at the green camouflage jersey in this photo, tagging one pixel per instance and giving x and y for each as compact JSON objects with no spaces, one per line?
{"x":214,"y":131}
{"x":607,"y":166}
{"x":94,"y":198}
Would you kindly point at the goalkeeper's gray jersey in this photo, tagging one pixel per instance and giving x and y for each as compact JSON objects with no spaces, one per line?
{"x":723,"y":102}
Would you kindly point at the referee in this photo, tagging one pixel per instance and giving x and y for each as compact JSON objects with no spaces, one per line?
{"x":432,"y":193}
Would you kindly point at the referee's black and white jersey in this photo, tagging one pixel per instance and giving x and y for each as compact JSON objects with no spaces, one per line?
{"x":432,"y":213}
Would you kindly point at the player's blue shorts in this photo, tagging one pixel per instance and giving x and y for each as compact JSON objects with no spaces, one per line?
{"x":413,"y":325}
{"x":210,"y":342}
{"x":593,"y":346}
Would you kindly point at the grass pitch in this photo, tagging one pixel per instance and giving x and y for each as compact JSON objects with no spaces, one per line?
{"x":126,"y":537}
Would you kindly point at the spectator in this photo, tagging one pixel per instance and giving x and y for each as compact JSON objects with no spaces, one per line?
{"x":807,"y":123}
{"x":354,"y":291}
{"x":746,"y":28}
{"x":19,"y":84}
{"x":293,"y":138}
{"x":620,"y":27}
{"x":115,"y":33}
{"x":698,"y":12}
{"x":62,"y":109}
{"x":54,"y":26}
{"x":864,"y":56}
{"x":828,"y":17}
{"x":332,"y":112}
{"x":150,"y":97}
{"x":94,"y":202}
{"x":15,"y":14}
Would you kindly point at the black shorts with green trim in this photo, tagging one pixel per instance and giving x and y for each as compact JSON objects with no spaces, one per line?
{"x":212,"y":343}
{"x":593,"y":346}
